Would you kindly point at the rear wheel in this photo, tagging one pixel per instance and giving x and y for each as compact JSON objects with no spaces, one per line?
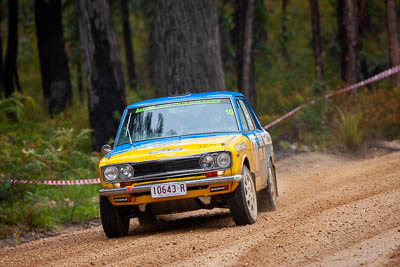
{"x":114,"y":224}
{"x":243,"y":202}
{"x":267,"y":197}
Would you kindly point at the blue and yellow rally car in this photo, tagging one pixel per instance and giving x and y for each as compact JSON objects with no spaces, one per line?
{"x":183,"y":153}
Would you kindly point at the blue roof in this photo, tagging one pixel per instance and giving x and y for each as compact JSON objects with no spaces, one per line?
{"x":193,"y":96}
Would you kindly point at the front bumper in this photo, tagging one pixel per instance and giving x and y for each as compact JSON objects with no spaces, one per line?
{"x":189,"y":183}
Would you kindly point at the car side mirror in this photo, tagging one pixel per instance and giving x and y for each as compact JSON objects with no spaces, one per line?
{"x":105,"y":149}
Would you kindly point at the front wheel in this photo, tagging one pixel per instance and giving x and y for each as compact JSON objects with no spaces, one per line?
{"x":243,"y":202}
{"x":114,"y":224}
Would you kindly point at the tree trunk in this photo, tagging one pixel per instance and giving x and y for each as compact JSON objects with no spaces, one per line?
{"x":129,"y":55}
{"x":316,"y":40}
{"x":243,"y":37}
{"x":10,"y":65}
{"x":347,"y":23}
{"x":102,"y":65}
{"x":53,"y":59}
{"x":364,"y":71}
{"x":1,"y":48}
{"x":77,"y":57}
{"x":79,"y":78}
{"x":361,"y":17}
{"x":341,"y":35}
{"x":185,"y":47}
{"x":394,"y":53}
{"x":246,"y":60}
{"x":284,"y":37}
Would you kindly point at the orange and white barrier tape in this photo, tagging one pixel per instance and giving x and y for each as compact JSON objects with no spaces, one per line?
{"x":54,"y":182}
{"x":375,"y":78}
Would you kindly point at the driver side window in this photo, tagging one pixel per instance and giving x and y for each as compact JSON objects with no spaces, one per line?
{"x":247,"y":114}
{"x":242,"y":117}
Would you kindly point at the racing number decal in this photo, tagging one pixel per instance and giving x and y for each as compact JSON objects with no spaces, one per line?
{"x":229,"y":111}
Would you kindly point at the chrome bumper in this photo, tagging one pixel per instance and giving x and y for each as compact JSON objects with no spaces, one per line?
{"x":189,"y":183}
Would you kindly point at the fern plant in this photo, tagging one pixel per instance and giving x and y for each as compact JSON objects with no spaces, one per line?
{"x":14,"y":106}
{"x":349,"y":129}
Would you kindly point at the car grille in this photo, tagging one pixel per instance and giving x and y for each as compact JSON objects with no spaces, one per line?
{"x":174,"y":167}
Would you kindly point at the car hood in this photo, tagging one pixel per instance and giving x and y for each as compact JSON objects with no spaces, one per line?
{"x":169,"y":149}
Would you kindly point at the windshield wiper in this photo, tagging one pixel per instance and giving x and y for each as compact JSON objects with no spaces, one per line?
{"x":127,"y":128}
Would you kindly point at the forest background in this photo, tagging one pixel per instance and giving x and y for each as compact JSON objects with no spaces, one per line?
{"x":68,"y":69}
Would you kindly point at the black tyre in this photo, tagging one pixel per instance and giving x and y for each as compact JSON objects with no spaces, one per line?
{"x":267,"y":197}
{"x":114,"y":224}
{"x":243,"y":202}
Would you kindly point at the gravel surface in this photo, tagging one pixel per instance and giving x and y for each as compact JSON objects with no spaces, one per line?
{"x":332,"y":211}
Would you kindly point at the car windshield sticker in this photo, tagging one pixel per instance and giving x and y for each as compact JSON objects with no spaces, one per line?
{"x":179,"y":104}
{"x":165,"y":150}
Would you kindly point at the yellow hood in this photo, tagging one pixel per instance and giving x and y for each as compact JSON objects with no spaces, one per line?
{"x":172,"y":149}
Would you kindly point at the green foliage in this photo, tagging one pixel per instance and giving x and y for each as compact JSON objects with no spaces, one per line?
{"x":312,"y":124}
{"x":36,"y":156}
{"x":47,"y":207}
{"x":312,"y":120}
{"x":380,"y":113}
{"x":41,"y":151}
{"x":13,"y":107}
{"x":349,"y":130}
{"x":139,"y":94}
{"x":377,"y":112}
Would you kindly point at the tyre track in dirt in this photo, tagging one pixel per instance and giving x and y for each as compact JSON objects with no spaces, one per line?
{"x":329,"y":207}
{"x":358,"y":201}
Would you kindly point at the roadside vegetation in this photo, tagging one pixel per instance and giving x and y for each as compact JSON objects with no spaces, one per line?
{"x":36,"y":147}
{"x":347,"y":123}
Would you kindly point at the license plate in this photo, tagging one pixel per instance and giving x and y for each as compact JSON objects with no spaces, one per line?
{"x":168,"y":190}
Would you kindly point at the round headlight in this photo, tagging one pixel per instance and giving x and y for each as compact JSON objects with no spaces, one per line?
{"x":223,"y":160}
{"x":126,"y":171}
{"x":111,"y":173}
{"x":207,"y":162}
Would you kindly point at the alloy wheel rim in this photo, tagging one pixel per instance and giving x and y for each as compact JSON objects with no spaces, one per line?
{"x":250,"y":196}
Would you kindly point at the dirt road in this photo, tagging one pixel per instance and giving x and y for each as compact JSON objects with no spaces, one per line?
{"x":332,"y":212}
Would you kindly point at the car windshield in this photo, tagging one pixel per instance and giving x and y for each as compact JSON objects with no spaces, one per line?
{"x":178,"y":118}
